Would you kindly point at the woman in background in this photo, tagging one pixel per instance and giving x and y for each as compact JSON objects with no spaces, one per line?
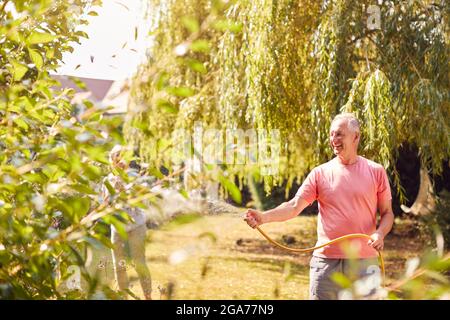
{"x":130,"y":251}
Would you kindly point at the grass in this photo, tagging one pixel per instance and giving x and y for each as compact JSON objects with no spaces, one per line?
{"x":220,"y":257}
{"x":238,"y":264}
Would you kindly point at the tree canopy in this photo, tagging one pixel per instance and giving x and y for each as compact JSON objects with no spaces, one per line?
{"x":293,"y":65}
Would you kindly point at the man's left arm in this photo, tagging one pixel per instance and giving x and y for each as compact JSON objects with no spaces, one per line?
{"x":386,"y":222}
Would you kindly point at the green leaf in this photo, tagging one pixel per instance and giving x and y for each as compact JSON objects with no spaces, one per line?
{"x":118,"y":225}
{"x":49,"y":53}
{"x":92,"y":172}
{"x":232,"y":189}
{"x":80,"y":84}
{"x":183,"y":92}
{"x":21,"y":123}
{"x":97,"y":154}
{"x":227,"y":25}
{"x":82,"y":34}
{"x":201,"y":45}
{"x":105,"y":240}
{"x":15,"y":36}
{"x":341,"y":280}
{"x":36,"y":58}
{"x":197,"y":66}
{"x":184,"y":219}
{"x":156,"y":173}
{"x":62,"y":164}
{"x":88,"y":104}
{"x":184,"y":193}
{"x":35,"y":177}
{"x":110,"y":188}
{"x":191,"y":24}
{"x":82,"y":188}
{"x":79,"y":207}
{"x":18,"y":70}
{"x":166,"y":106}
{"x":93,"y":13}
{"x":40,"y":37}
{"x":162,"y":80}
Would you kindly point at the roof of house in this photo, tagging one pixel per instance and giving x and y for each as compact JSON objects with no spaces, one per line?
{"x":103,"y":93}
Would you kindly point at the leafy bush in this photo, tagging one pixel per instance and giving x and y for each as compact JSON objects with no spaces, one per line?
{"x":436,"y":225}
{"x":52,"y":153}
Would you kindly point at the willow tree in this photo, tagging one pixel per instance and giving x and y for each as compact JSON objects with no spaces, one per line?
{"x":228,"y":95}
{"x":292,"y":66}
{"x":176,"y":87}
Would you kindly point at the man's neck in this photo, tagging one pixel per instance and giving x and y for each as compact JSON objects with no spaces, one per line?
{"x":348,"y":160}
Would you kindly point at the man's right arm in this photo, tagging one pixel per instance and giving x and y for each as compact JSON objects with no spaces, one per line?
{"x":285,"y":211}
{"x":306,"y":194}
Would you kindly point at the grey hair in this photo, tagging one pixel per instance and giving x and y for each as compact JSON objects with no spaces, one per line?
{"x":352,"y":121}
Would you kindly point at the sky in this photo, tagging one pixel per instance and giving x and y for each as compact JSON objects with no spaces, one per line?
{"x":111,"y":52}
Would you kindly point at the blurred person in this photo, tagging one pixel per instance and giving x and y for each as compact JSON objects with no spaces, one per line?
{"x":130,"y":251}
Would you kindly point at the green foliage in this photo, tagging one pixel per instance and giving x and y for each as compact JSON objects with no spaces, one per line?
{"x":292,"y":66}
{"x":436,"y":225}
{"x":424,"y":279}
{"x":332,"y":68}
{"x":52,"y":155}
{"x":256,"y":194}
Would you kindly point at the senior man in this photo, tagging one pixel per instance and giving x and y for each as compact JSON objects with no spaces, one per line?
{"x":350,"y":189}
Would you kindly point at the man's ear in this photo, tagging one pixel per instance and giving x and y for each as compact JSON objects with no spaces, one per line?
{"x":357,"y":136}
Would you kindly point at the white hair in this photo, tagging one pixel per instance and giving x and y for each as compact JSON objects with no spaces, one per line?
{"x":352,"y":121}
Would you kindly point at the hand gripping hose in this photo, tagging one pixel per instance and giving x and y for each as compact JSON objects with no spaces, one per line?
{"x":348,"y":236}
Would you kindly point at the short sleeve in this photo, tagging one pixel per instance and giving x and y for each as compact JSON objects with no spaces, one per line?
{"x":308,"y":189}
{"x":384,"y":189}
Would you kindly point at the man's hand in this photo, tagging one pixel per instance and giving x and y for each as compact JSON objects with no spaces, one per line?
{"x":376,"y":241}
{"x":253,"y":218}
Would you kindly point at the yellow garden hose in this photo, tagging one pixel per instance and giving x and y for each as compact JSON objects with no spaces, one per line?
{"x":348,"y":236}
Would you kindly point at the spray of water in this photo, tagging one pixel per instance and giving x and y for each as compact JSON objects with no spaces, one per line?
{"x":171,"y":203}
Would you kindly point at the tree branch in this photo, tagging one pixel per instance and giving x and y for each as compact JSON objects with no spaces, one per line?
{"x":2,"y":10}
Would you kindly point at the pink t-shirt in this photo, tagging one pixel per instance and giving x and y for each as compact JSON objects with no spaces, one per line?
{"x":348,"y":197}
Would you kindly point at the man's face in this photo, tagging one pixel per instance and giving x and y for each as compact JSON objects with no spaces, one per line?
{"x":342,"y":140}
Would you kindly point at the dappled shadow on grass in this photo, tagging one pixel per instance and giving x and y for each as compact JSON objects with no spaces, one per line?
{"x":394,"y":267}
{"x":269,"y":264}
{"x":399,"y":246}
{"x":402,"y":244}
{"x":256,"y":246}
{"x":157,"y":259}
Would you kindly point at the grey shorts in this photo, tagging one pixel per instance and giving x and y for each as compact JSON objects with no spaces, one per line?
{"x":359,"y":272}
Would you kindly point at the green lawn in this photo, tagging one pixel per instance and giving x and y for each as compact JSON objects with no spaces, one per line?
{"x":239,"y":264}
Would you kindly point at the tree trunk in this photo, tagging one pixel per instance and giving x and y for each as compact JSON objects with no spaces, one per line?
{"x":425,"y":201}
